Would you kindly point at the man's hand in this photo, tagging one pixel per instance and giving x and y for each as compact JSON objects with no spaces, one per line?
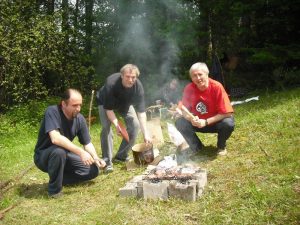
{"x":86,"y":158}
{"x":118,"y":130}
{"x":196,"y":122}
{"x":92,"y":152}
{"x":147,"y":139}
{"x":100,"y":163}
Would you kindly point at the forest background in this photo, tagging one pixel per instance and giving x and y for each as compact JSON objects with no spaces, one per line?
{"x":49,"y":45}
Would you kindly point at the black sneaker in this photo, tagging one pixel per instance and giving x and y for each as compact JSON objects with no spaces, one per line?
{"x":56,"y":196}
{"x":117,"y":160}
{"x":108,"y":169}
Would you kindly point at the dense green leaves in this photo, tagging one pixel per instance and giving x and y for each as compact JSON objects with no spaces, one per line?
{"x":46,"y":46}
{"x":37,"y":61}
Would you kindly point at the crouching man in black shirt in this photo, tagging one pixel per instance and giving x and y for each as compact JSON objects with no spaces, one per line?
{"x":56,"y":154}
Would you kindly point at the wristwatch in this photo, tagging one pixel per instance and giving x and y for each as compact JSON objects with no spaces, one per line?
{"x":206,"y":122}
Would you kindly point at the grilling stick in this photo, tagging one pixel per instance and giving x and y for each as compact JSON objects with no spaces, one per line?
{"x":185,"y":110}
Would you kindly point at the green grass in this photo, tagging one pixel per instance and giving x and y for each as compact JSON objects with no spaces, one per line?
{"x":257,"y":183}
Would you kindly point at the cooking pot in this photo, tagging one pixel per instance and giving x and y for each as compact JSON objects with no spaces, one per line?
{"x":143,"y":153}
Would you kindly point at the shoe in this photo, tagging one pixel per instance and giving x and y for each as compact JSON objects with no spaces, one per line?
{"x":108,"y":169}
{"x":56,"y":196}
{"x":222,"y":152}
{"x":117,"y":160}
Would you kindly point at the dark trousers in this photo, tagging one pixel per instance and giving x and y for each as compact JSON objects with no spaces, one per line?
{"x":223,"y":128}
{"x":63,"y":167}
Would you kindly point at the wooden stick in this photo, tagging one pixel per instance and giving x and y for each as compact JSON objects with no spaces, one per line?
{"x":2,"y":212}
{"x":90,"y":109}
{"x":11,"y":182}
{"x":264,"y":151}
{"x":185,"y":110}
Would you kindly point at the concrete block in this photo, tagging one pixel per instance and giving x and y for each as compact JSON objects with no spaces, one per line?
{"x":139,"y":186}
{"x":183,"y":191}
{"x":156,"y":190}
{"x":130,"y":190}
{"x":199,"y":190}
{"x":201,"y":177}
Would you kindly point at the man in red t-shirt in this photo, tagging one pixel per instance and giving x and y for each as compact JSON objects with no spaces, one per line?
{"x":207,"y":100}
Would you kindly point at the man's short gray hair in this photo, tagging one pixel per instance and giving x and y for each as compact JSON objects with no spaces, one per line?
{"x":199,"y":66}
{"x":131,"y":68}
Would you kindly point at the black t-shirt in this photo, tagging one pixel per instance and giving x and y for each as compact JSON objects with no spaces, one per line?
{"x":114,"y":96}
{"x":55,"y":119}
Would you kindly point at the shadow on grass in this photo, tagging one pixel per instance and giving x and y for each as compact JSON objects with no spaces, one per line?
{"x":210,"y":151}
{"x":37,"y":191}
{"x":34,"y":191}
{"x":207,"y":154}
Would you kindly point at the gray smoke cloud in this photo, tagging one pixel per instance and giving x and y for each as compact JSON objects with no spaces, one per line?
{"x":155,"y":54}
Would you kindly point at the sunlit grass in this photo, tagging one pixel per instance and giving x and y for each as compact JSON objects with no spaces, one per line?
{"x":257,"y":183}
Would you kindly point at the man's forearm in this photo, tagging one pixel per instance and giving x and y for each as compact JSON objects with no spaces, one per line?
{"x":112,"y":117}
{"x":62,"y":141}
{"x":91,"y":149}
{"x":218,"y":117}
{"x":143,"y":123}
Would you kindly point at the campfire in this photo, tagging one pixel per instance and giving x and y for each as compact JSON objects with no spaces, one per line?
{"x":181,"y":174}
{"x":184,"y":182}
{"x":165,"y":178}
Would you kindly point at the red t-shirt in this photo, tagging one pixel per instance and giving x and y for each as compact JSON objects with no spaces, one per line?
{"x":210,"y":102}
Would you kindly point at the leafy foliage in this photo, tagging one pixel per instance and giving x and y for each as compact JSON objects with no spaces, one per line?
{"x":37,"y":61}
{"x":46,"y":46}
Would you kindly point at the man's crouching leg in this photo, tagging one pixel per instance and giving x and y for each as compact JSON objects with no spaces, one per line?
{"x":75,"y":170}
{"x":52,"y":161}
{"x":224,"y":129}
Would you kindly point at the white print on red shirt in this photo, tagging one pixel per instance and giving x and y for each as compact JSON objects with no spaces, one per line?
{"x":201,"y":108}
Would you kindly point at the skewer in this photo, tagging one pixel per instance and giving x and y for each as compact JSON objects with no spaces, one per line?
{"x":185,"y":110}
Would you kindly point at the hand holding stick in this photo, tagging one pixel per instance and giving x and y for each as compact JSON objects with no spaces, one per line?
{"x":186,"y":111}
{"x":122,"y":129}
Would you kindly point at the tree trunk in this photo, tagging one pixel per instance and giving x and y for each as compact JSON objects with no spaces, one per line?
{"x":65,"y":19}
{"x":89,"y":4}
{"x":210,"y":36}
{"x":76,"y":15}
{"x":50,"y":6}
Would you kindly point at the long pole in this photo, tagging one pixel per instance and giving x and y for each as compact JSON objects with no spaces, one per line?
{"x":90,"y":109}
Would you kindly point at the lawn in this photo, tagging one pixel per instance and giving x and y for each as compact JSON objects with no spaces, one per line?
{"x":258,"y":182}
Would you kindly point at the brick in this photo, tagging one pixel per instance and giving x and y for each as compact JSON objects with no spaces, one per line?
{"x":155,"y":190}
{"x":140,"y":191}
{"x":199,"y":190}
{"x":201,"y":177}
{"x":183,"y":191}
{"x":130,"y":190}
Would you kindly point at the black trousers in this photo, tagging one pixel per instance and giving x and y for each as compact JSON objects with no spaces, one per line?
{"x":63,"y":167}
{"x":223,"y":128}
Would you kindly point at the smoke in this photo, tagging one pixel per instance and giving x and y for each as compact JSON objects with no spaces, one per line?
{"x":136,"y":44}
{"x":150,"y":43}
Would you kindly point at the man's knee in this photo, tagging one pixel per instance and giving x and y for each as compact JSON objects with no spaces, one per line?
{"x":227,"y":124}
{"x":133,"y":125}
{"x":57,"y":155}
{"x":94,"y":171}
{"x":181,"y":124}
{"x":105,"y":130}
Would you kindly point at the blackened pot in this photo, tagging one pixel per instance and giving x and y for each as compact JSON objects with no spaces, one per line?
{"x":143,"y":153}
